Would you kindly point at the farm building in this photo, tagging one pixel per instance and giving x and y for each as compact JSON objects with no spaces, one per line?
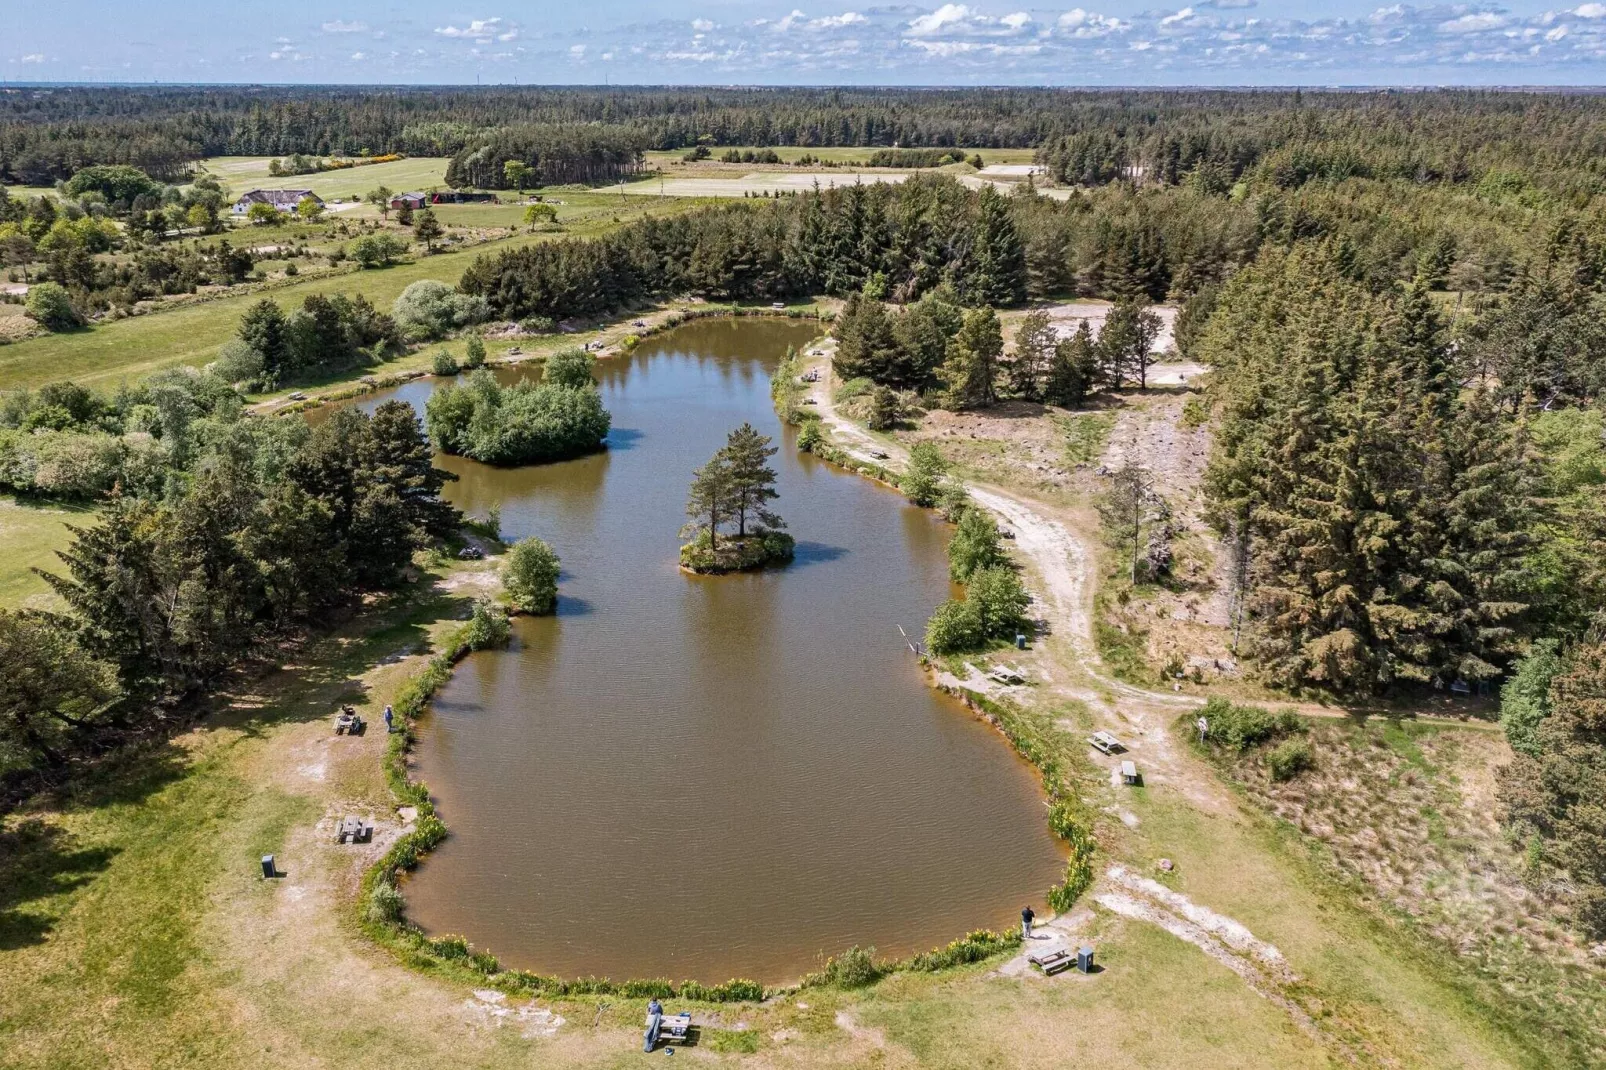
{"x":285,"y":200}
{"x":453,"y":196}
{"x":409,"y":200}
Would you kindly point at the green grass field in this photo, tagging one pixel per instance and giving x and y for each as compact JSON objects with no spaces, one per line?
{"x":125,"y":350}
{"x":30,"y":535}
{"x":242,"y":173}
{"x":658,"y":158}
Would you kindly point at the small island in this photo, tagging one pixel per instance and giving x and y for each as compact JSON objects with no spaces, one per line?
{"x":734,"y":489}
{"x":525,"y":423}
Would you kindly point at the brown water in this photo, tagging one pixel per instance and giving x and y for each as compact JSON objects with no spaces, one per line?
{"x":712,"y":777}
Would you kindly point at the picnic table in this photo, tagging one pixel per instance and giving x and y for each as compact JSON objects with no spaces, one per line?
{"x":672,"y":1028}
{"x":354,"y":830}
{"x":348,"y":722}
{"x":1129,"y":773}
{"x":1052,"y":960}
{"x":1106,"y":743}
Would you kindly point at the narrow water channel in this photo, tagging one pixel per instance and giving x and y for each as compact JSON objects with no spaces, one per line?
{"x":704,"y":778}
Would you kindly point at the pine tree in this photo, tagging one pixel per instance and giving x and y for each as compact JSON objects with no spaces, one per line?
{"x":712,"y":500}
{"x":1126,"y":342}
{"x":752,"y":480}
{"x":1073,"y":369}
{"x":1034,"y":353}
{"x":997,"y":274}
{"x":972,"y":366}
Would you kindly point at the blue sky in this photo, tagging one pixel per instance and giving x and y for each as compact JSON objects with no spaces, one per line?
{"x":1210,"y":42}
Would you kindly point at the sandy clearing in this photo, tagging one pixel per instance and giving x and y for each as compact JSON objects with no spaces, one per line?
{"x":1068,"y":316}
{"x":759,"y":182}
{"x":1014,"y":169}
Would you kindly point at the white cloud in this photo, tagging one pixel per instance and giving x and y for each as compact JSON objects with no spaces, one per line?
{"x":1475,"y":23}
{"x":337,"y":26}
{"x":701,"y":25}
{"x":1590,"y":11}
{"x":577,"y":51}
{"x":34,"y":57}
{"x":1017,"y":20}
{"x":1181,"y":16}
{"x":1086,"y":24}
{"x":791,"y":20}
{"x":939,"y":21}
{"x":476,"y":28}
{"x":359,"y":55}
{"x":832,"y":22}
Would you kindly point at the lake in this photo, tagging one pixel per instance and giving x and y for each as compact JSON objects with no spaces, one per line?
{"x":713,"y":777}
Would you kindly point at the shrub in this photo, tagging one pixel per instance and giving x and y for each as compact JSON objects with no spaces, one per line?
{"x":430,"y":309}
{"x":1289,"y":758}
{"x":522,"y":424}
{"x":972,"y":947}
{"x":474,"y":354}
{"x":1000,"y":600}
{"x":854,"y":388}
{"x":445,"y":363}
{"x":809,"y":437}
{"x":487,"y":627}
{"x":531,"y":577}
{"x":384,"y":903}
{"x":1241,"y":728}
{"x":50,"y":307}
{"x":854,"y":968}
{"x":955,"y":626}
{"x":975,"y":546}
{"x":537,"y":325}
{"x":885,"y":409}
{"x":571,"y":368}
{"x":923,"y":480}
{"x":952,"y":502}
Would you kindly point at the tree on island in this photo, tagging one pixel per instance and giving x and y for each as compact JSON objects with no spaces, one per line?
{"x":735,"y":487}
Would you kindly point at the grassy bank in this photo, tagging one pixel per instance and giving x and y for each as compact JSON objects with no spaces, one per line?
{"x":30,"y":535}
{"x":125,"y":350}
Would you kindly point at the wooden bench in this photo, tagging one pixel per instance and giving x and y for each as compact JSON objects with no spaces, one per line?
{"x":349,"y":723}
{"x":354,"y":830}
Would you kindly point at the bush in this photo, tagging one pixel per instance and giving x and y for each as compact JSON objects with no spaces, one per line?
{"x":530,"y":577}
{"x":445,"y":363}
{"x":430,"y":309}
{"x":1000,"y":600}
{"x":854,"y":388}
{"x":952,"y":502}
{"x":50,"y":307}
{"x":239,"y":362}
{"x":537,"y":325}
{"x":474,"y":354}
{"x":1241,"y":728}
{"x":522,"y":424}
{"x":975,"y":546}
{"x":922,"y":482}
{"x":809,"y":437}
{"x":1289,"y":758}
{"x":854,"y":968}
{"x":487,"y":627}
{"x":385,"y":903}
{"x":571,"y":368}
{"x":955,"y":626}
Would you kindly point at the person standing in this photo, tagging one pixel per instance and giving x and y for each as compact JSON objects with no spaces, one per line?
{"x":389,"y":717}
{"x":1026,"y":916}
{"x":655,"y":1017}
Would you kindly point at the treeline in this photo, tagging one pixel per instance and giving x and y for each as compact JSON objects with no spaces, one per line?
{"x":1455,"y":135}
{"x":224,"y":533}
{"x":912,"y":237}
{"x":551,"y":155}
{"x":1389,"y":502}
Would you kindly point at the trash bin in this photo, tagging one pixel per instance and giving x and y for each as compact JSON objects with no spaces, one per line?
{"x":1084,"y":959}
{"x":1020,"y":641}
{"x":268,"y":870}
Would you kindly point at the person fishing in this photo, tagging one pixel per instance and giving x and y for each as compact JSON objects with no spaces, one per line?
{"x":1026,"y":916}
{"x":655,"y":1018}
